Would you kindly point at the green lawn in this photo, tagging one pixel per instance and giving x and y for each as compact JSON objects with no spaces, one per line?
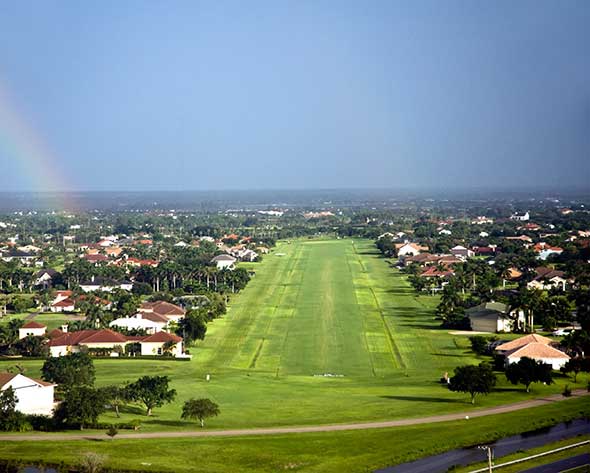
{"x":325,"y":307}
{"x":359,"y":451}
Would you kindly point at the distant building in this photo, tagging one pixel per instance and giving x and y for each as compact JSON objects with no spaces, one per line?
{"x":494,"y":317}
{"x":520,"y":217}
{"x":224,"y":261}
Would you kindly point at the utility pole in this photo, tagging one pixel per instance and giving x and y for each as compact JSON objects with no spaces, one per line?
{"x":489,"y":454}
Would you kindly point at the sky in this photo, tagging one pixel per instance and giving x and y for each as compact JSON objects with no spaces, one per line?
{"x":173,"y":95}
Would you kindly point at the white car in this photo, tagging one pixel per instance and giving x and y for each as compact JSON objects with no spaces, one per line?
{"x":562,"y":332}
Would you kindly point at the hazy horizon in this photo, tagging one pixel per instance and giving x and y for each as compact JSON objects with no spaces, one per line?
{"x":197,"y":96}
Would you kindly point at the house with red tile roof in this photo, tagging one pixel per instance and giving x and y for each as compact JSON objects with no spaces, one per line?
{"x":160,"y":343}
{"x":32,"y":328}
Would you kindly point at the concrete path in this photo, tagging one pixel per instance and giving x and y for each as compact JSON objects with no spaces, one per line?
{"x":304,"y":429}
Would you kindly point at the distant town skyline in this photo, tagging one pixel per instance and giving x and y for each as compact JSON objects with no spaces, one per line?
{"x":294,"y":95}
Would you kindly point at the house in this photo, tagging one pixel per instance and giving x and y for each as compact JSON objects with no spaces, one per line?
{"x":522,"y":238}
{"x":32,"y":328}
{"x":545,"y":250}
{"x":96,"y":258}
{"x":25,"y":258}
{"x":154,"y":344}
{"x":462,"y":252}
{"x":520,"y":217}
{"x":512,"y":345}
{"x":105,"y":284}
{"x":159,"y":343}
{"x":482,"y":220}
{"x":404,"y":249}
{"x":63,"y":305}
{"x":34,"y":396}
{"x":548,"y":278}
{"x":165,"y":310}
{"x":139,"y":322}
{"x":535,"y":347}
{"x":46,"y":278}
{"x":435,"y":272}
{"x":113,"y":251}
{"x":493,"y":317}
{"x":224,"y":261}
{"x":484,"y":250}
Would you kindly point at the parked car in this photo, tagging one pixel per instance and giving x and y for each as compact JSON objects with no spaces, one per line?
{"x":560,"y":332}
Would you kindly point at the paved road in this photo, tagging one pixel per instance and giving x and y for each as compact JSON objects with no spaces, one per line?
{"x":305,"y":429}
{"x":562,"y":465}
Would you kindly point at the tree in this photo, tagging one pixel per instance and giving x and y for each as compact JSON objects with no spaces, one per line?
{"x":528,"y":371}
{"x":81,"y":406}
{"x":32,"y":346}
{"x":152,"y":391}
{"x":473,"y":380}
{"x":7,"y":401}
{"x":200,"y":409}
{"x":10,"y":418}
{"x":112,"y":432}
{"x":575,"y":365}
{"x":479,"y":344}
{"x":71,"y":370}
{"x":193,"y":326}
{"x":115,"y":396}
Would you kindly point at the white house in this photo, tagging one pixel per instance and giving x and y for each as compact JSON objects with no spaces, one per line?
{"x":154,"y":344}
{"x":34,"y":396}
{"x":462,"y":252}
{"x":413,"y":249}
{"x":520,"y":218}
{"x":224,"y":261}
{"x":105,"y":284}
{"x":32,"y":328}
{"x":539,"y":352}
{"x":137,"y":322}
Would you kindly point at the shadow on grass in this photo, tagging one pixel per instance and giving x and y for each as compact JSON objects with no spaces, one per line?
{"x":168,"y":423}
{"x":422,"y":399}
{"x":135,"y":410}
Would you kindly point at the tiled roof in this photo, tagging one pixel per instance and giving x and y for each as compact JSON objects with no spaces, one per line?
{"x":5,"y":378}
{"x":87,"y":336}
{"x":160,"y":337}
{"x":163,"y":308}
{"x":536,"y":351}
{"x":63,"y":303}
{"x":33,"y":324}
{"x":522,"y":341}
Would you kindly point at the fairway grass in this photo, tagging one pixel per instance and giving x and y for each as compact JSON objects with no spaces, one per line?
{"x":359,"y":451}
{"x":327,"y":333}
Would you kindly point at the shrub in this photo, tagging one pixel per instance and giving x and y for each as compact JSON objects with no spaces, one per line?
{"x":567,"y":391}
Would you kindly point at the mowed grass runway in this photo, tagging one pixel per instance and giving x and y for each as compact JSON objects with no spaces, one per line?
{"x":326,"y":307}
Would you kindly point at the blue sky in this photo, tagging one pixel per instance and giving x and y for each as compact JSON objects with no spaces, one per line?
{"x":158,"y":95}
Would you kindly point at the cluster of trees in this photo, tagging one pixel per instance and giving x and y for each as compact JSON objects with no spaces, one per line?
{"x":82,"y":403}
{"x":481,"y":379}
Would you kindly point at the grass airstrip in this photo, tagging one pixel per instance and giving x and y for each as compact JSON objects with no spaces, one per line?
{"x":326,"y":332}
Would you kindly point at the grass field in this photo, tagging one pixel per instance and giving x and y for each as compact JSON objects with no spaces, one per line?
{"x":352,"y":451}
{"x":325,"y":307}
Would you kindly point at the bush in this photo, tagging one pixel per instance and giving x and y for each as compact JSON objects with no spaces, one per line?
{"x":479,"y":344}
{"x":567,"y":391}
{"x":41,"y":423}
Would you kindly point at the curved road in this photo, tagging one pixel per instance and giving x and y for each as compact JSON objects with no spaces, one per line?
{"x":316,"y":428}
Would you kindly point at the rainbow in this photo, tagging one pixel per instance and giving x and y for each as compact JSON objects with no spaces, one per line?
{"x":20,"y":142}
